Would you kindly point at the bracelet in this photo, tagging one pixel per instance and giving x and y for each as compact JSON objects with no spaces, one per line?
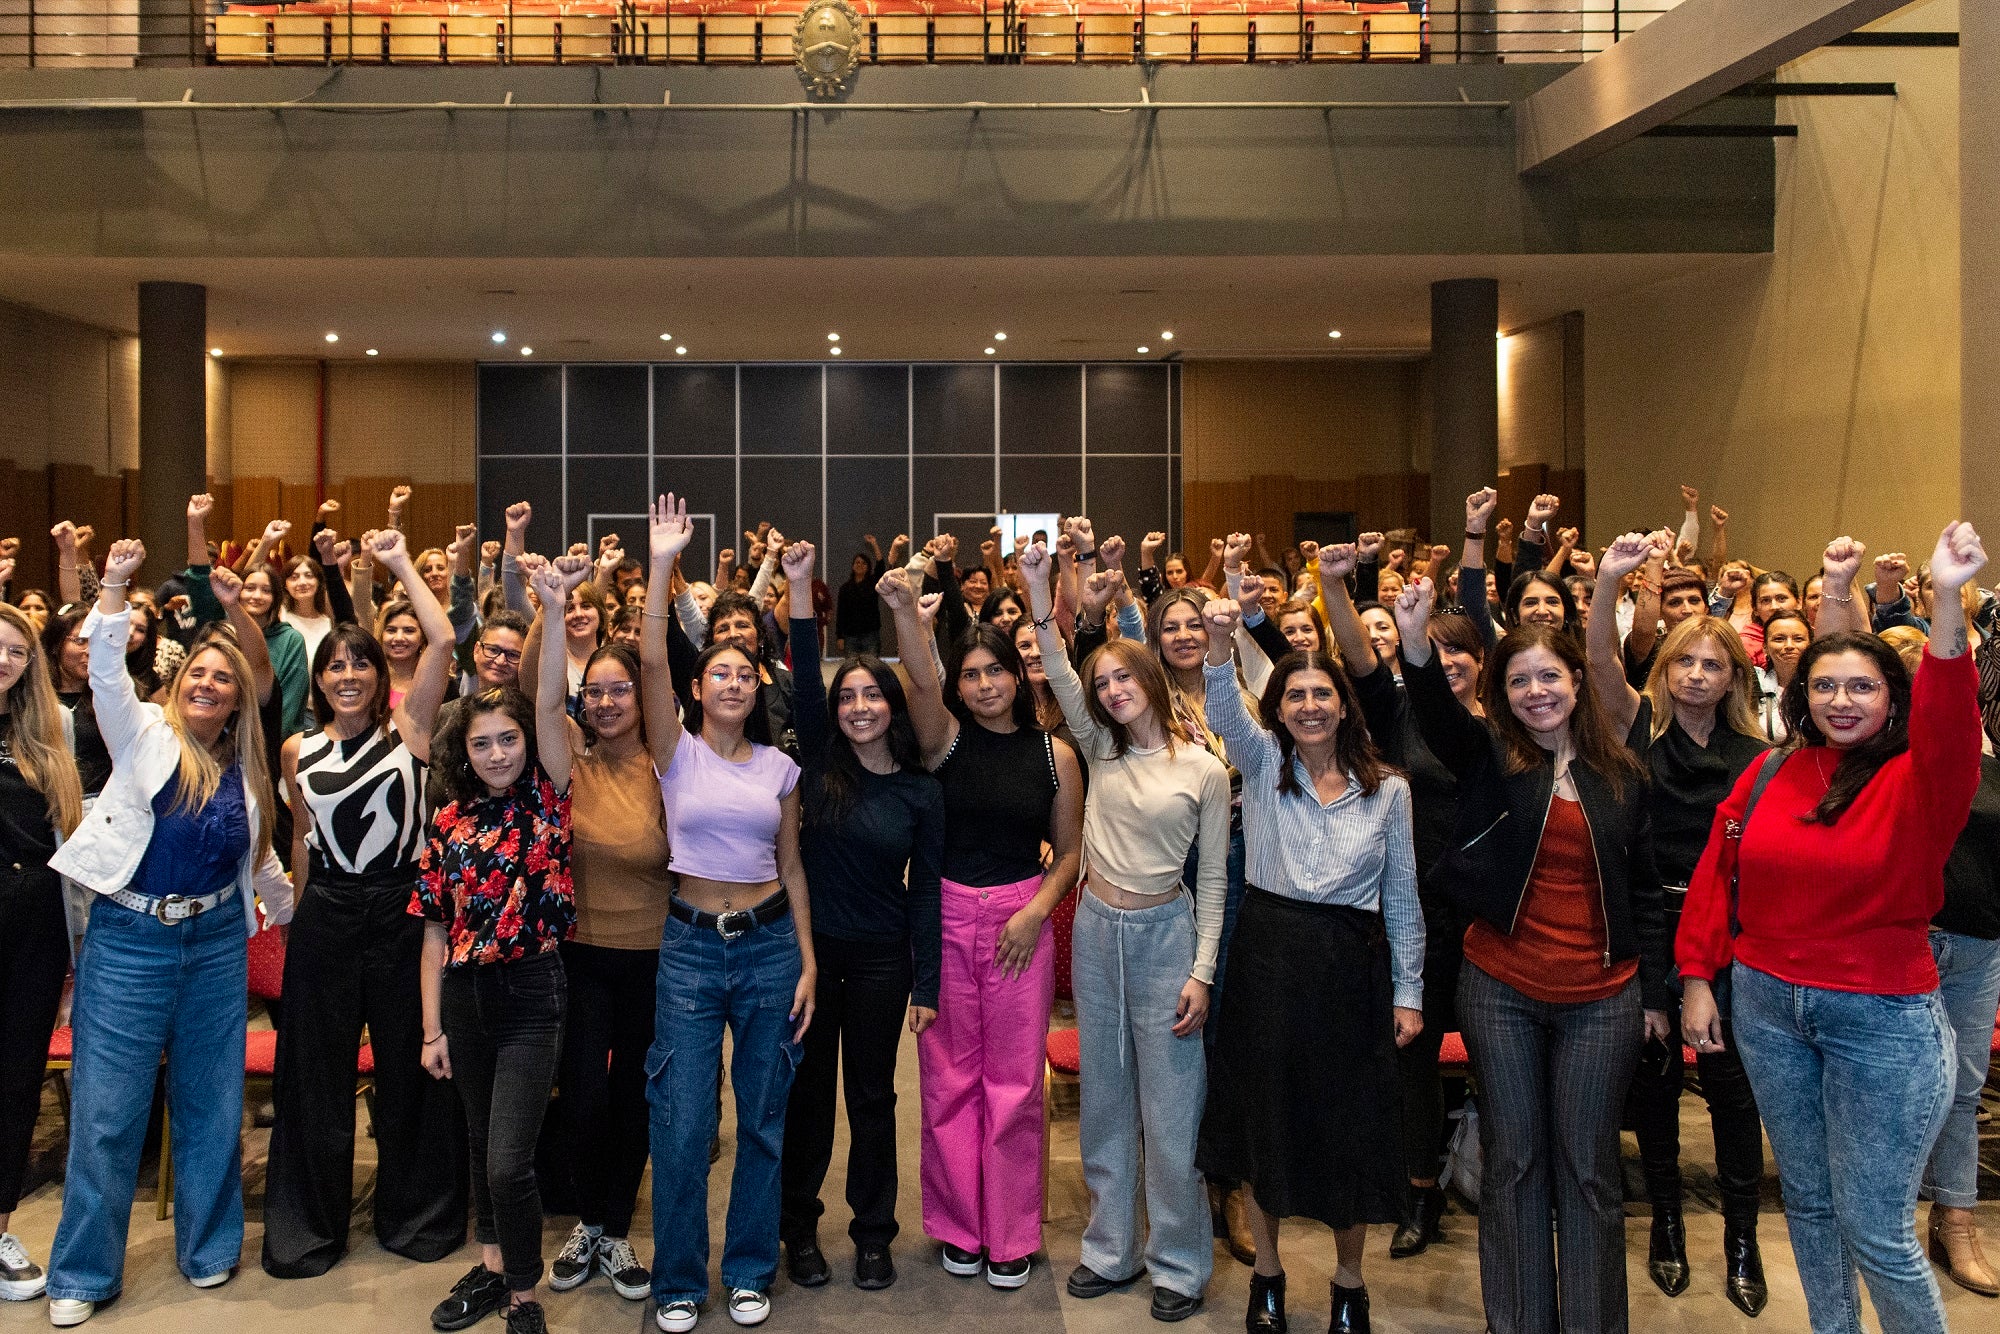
{"x":1043,"y":623}
{"x":1087,"y":555}
{"x":67,"y":569}
{"x":432,"y":1042}
{"x":1479,"y":536}
{"x":106,"y":583}
{"x":1830,"y":597}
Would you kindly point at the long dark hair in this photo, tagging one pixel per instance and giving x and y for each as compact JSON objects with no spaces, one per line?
{"x":840,"y":787}
{"x":1510,"y":609}
{"x":1589,"y":731}
{"x":1352,"y":748}
{"x":142,"y":662}
{"x":448,"y":753}
{"x":1001,"y":646}
{"x":359,"y":645}
{"x":1859,"y":763}
{"x":998,"y":598}
{"x":626,"y":658}
{"x":757,"y":725}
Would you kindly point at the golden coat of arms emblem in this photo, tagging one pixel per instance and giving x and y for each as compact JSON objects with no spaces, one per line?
{"x":827,"y":43}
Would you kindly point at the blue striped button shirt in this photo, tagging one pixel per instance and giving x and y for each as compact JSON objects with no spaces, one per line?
{"x":1355,"y":851}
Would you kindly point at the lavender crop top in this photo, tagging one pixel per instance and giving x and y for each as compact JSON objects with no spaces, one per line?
{"x":722,"y":818}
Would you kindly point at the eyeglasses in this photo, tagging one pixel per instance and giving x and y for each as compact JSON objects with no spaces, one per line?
{"x":14,"y":653}
{"x":616,"y":690}
{"x":1861,"y":689}
{"x":723,"y":676}
{"x":501,"y":655}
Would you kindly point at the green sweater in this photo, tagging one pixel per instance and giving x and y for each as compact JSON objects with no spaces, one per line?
{"x":285,"y":645}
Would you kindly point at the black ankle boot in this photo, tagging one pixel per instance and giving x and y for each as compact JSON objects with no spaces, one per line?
{"x":1267,"y":1305}
{"x":1422,"y":1227}
{"x":1667,"y":1258}
{"x":1743,"y":1267}
{"x":1350,"y":1311}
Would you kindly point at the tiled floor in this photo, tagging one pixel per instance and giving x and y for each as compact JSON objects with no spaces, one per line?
{"x":1431,"y":1294}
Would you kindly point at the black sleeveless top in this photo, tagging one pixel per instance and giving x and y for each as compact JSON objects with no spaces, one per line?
{"x":998,"y":789}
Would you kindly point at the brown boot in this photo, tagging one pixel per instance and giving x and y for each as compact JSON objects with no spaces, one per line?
{"x":1955,"y":1246}
{"x":1237,"y":1215}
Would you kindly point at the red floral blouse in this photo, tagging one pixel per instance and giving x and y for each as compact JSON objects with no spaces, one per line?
{"x":496,"y":871}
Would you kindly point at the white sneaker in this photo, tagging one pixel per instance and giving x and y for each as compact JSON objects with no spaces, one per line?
{"x":576,"y":1261}
{"x":21,"y":1279}
{"x":64,"y":1311}
{"x":213,"y":1280}
{"x":747,"y":1307}
{"x":677,"y":1317}
{"x":620,"y":1264}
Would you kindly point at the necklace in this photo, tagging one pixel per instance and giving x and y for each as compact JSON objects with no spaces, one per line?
{"x":1819,"y":762}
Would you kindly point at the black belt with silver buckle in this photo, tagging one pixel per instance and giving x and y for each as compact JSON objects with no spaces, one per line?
{"x":730,"y":925}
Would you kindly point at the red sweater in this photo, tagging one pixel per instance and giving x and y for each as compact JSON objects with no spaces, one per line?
{"x":1846,"y":907}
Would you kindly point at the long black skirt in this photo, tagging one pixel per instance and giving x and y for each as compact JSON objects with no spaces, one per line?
{"x":1304,"y":1103}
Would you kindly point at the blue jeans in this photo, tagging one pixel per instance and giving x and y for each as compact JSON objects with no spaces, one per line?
{"x":1969,"y":984}
{"x":705,"y":983}
{"x":143,"y":990}
{"x":1854,"y":1089}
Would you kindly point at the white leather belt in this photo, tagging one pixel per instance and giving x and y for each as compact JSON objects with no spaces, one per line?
{"x":174,"y":908}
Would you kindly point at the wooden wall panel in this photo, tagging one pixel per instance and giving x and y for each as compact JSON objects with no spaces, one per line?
{"x":28,"y":518}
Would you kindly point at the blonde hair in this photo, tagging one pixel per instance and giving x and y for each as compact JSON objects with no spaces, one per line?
{"x":41,"y":751}
{"x":1909,"y":643}
{"x":242,"y":742}
{"x":1736,"y":711}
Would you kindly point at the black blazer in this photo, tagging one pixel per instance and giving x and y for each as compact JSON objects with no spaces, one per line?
{"x":1499,"y":831}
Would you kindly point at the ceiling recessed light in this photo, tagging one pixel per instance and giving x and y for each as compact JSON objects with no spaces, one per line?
{"x":1333,"y":333}
{"x":833,"y":338}
{"x":333,"y":338}
{"x":527,"y":352}
{"x":834,"y":350}
{"x":499,"y":336}
{"x":372,"y":352}
{"x":1143,"y":349}
{"x":989,"y":351}
{"x":680,"y":351}
{"x":1166,"y":335}
{"x":215,"y":352}
{"x":666,"y":338}
{"x":999,"y":337}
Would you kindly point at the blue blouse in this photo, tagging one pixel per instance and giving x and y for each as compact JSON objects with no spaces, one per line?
{"x":194,"y":853}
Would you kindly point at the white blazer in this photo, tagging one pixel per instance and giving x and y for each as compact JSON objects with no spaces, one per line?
{"x":103,"y":854}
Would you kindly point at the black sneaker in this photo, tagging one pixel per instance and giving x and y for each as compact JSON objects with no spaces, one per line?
{"x":632,"y":1280}
{"x":1085,"y":1283}
{"x":478,"y":1295}
{"x":526,"y":1318}
{"x":1009,"y":1273}
{"x":873,"y":1269}
{"x":958,"y":1261}
{"x":576,"y":1262}
{"x":805,"y":1264}
{"x":1170,"y":1306}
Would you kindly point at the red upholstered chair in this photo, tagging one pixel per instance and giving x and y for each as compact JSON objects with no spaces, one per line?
{"x":358,"y":31}
{"x":301,"y":35}
{"x":729,"y":31}
{"x":1169,"y":30}
{"x":243,"y":34}
{"x":589,"y":34}
{"x":1333,"y":31}
{"x":1395,"y":32}
{"x":1109,"y":31}
{"x":779,"y":27}
{"x":900,"y":31}
{"x":1276,"y":29}
{"x":1062,"y":1055}
{"x":1222,"y":32}
{"x":1046,"y":32}
{"x":967,"y":30}
{"x":267,"y":962}
{"x":416,"y":33}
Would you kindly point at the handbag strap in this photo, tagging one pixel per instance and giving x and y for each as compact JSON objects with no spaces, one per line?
{"x":1767,"y":770}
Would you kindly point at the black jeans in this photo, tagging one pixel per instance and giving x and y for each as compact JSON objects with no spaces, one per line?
{"x":859,"y":1011}
{"x":1425,"y":1128}
{"x":603,"y":1103}
{"x":503,"y":1025}
{"x":34,"y":959}
{"x":352,"y":958}
{"x":1732,"y":1108}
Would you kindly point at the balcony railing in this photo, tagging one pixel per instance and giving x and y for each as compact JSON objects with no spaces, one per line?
{"x":129,"y":33}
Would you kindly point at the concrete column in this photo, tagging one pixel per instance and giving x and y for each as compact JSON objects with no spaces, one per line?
{"x":1979,"y":269}
{"x":173,"y":418}
{"x":1465,"y":399}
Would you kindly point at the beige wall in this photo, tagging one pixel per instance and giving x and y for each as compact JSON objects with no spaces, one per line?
{"x":1813,"y":391}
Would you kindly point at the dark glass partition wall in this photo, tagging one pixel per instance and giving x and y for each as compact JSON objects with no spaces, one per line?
{"x":829,"y":452}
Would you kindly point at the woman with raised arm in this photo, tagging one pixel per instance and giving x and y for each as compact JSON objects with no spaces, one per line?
{"x":1048,"y":713}
{"x":176,"y":852}
{"x":41,"y":803}
{"x":1551,"y":859}
{"x":305,"y":607}
{"x":494,"y":893}
{"x":1009,"y":787}
{"x":352,"y":959}
{"x":1325,"y":974}
{"x":286,"y":647}
{"x":736,"y":951}
{"x":618,"y":872}
{"x":1392,"y":725}
{"x":1823,"y":907}
{"x":1143,"y":958}
{"x":872,"y":843}
{"x":1694,"y":729}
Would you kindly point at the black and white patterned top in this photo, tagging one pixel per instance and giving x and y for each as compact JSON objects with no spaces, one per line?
{"x":367,"y":801}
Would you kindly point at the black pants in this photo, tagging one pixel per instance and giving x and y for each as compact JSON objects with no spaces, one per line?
{"x":1425,"y":1128}
{"x":858,"y":1016}
{"x":603,"y":1103}
{"x":352,"y":959}
{"x":34,"y":959}
{"x":1655,"y":1109}
{"x":503,"y":1025}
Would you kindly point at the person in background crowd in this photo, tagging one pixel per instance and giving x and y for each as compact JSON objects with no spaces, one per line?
{"x":1786,"y":636}
{"x":176,"y":852}
{"x":41,"y":803}
{"x":1821,"y":899}
{"x":857,"y":618}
